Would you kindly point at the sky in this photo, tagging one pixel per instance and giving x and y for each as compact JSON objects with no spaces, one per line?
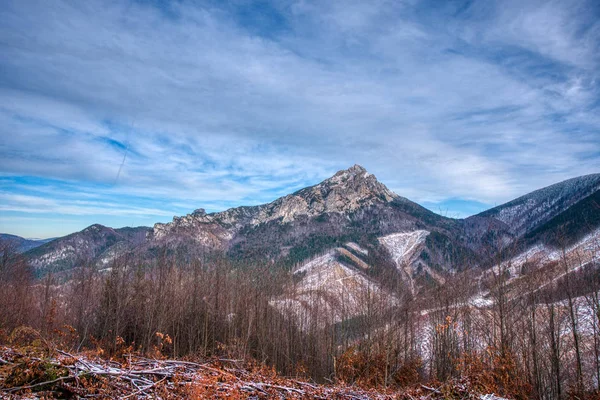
{"x":128,"y":113}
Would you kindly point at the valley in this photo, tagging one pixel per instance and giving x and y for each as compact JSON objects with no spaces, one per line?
{"x":346,"y":279}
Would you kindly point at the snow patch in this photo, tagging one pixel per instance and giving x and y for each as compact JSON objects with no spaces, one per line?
{"x":356,"y":247}
{"x":403,"y":245}
{"x":404,"y":248}
{"x":329,"y":292}
{"x":582,"y":252}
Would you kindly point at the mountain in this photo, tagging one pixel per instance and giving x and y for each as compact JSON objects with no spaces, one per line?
{"x":351,"y":206}
{"x":345,"y":193}
{"x":349,"y":211}
{"x":333,"y":208}
{"x":546,"y":236}
{"x":568,"y":209}
{"x":96,"y":243}
{"x":531,"y":210}
{"x":22,"y":244}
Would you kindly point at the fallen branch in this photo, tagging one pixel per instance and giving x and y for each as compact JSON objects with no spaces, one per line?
{"x":19,"y":388}
{"x":3,"y":361}
{"x":434,"y":390}
{"x":206,"y":367}
{"x":142,"y":390}
{"x":140,"y":377}
{"x":286,"y":388}
{"x":304,"y":384}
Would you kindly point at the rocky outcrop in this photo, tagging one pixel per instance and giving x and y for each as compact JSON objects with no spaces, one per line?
{"x":345,"y":192}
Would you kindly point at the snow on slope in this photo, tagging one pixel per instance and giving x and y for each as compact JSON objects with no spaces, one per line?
{"x":326,"y":290}
{"x":533,"y":208}
{"x":404,"y":245}
{"x":578,"y":255}
{"x":357,"y":248}
{"x":582,"y":252}
{"x":405,"y":248}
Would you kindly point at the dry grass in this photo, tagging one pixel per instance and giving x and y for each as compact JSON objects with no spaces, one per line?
{"x":35,"y":371}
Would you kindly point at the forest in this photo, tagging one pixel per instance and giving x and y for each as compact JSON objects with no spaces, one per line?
{"x":527,"y":339}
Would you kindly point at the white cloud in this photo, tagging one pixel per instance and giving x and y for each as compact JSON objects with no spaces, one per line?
{"x":487,"y":105}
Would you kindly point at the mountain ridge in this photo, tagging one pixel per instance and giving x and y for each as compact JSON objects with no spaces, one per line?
{"x":350,"y":206}
{"x":23,"y":244}
{"x":92,"y":243}
{"x":345,"y":197}
{"x":542,"y":202}
{"x":306,"y":201}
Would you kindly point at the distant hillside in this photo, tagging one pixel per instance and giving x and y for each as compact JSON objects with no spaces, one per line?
{"x":22,"y":244}
{"x":97,"y":243}
{"x":566,"y":208}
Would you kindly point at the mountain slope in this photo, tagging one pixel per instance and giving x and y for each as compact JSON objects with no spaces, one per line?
{"x":346,"y":207}
{"x":569,"y":226}
{"x":96,"y":243}
{"x":509,"y":223}
{"x":330,"y":288}
{"x":350,"y":207}
{"x":21,"y":244}
{"x":531,"y":210}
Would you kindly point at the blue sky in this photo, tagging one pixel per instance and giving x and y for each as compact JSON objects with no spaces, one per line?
{"x":130,"y":112}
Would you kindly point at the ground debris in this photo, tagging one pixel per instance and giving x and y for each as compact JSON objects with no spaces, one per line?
{"x":66,"y":375}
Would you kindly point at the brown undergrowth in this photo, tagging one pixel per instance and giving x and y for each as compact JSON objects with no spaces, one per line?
{"x":32,"y":366}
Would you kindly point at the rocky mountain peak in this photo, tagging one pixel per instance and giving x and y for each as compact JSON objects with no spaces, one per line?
{"x":345,"y":192}
{"x":354,"y":184}
{"x":354,"y":172}
{"x":200,"y":212}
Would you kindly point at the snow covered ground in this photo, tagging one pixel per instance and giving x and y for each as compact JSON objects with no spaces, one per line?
{"x":404,"y":245}
{"x":329,"y":291}
{"x":405,"y":248}
{"x":577,"y":255}
{"x":357,"y":248}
